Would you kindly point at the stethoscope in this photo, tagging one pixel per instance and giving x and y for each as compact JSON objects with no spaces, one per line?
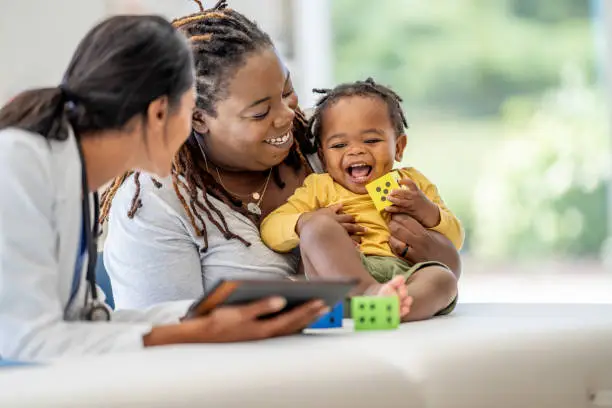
{"x":93,"y":309}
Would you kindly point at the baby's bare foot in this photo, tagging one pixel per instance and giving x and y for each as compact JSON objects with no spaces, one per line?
{"x":395,"y":287}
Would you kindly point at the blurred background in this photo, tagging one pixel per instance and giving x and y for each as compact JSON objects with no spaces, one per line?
{"x":508,"y":104}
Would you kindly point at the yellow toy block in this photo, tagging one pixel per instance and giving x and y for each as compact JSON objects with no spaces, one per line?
{"x":380,"y":188}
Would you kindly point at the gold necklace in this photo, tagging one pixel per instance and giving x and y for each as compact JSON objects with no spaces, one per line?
{"x":254,"y":195}
{"x":253,"y":208}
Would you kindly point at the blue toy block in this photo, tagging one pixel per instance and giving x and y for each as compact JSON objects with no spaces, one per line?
{"x":330,"y":320}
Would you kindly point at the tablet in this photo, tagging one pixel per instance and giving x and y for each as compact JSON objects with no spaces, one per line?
{"x":296,"y":292}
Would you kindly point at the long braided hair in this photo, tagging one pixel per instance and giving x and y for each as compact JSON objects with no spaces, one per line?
{"x":368,"y":88}
{"x":221,"y":40}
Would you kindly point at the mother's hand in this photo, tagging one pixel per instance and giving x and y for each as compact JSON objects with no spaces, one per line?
{"x":347,"y":221}
{"x":413,"y":242}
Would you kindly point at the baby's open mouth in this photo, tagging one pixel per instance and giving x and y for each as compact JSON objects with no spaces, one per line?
{"x":359,"y":172}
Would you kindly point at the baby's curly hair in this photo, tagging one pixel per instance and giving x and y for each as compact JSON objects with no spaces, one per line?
{"x":358,"y":88}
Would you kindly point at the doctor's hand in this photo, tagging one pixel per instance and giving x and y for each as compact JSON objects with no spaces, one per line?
{"x":239,"y":323}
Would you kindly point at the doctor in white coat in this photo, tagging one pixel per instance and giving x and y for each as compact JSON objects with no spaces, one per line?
{"x":125,"y":103}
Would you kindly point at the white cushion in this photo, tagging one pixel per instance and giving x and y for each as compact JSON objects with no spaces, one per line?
{"x":481,"y":356}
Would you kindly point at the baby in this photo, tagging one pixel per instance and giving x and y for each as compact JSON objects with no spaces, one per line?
{"x":359,"y":129}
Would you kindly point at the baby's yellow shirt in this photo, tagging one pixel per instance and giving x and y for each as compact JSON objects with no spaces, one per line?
{"x":320,"y":191}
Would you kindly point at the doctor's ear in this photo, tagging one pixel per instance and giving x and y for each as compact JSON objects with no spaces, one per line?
{"x":199,"y":122}
{"x":158,"y":111}
{"x":156,"y":120}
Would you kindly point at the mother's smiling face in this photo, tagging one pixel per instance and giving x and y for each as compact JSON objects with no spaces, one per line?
{"x":251,"y":128}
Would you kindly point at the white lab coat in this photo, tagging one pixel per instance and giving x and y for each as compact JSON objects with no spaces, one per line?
{"x":40,"y":229}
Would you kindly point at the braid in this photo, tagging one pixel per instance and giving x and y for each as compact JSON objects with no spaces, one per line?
{"x":110,"y":191}
{"x":221,"y":39}
{"x":199,"y":3}
{"x":359,"y":88}
{"x":136,"y":201}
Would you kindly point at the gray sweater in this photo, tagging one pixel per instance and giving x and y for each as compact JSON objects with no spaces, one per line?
{"x":156,"y":256}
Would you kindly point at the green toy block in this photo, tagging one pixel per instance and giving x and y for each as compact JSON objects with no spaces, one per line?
{"x":375,"y":312}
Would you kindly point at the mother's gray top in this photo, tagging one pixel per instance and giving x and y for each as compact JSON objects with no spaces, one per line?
{"x":157,"y":256}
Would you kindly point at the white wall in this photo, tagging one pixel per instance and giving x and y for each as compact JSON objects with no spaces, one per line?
{"x":38,"y":37}
{"x":313,"y":57}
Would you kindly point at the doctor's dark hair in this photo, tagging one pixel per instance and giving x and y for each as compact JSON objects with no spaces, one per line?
{"x":120,"y":67}
{"x":367,"y":88}
{"x":221,"y":40}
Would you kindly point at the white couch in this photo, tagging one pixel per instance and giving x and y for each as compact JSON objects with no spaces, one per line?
{"x":481,"y":356}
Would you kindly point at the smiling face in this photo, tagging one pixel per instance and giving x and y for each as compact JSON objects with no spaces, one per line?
{"x":358,"y":141}
{"x":251,"y":130}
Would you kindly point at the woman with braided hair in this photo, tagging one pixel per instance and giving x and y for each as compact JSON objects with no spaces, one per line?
{"x":126,"y":101}
{"x":173,"y":238}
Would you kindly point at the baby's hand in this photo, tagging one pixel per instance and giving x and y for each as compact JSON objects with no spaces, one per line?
{"x":397,"y":287}
{"x":412,"y":201}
